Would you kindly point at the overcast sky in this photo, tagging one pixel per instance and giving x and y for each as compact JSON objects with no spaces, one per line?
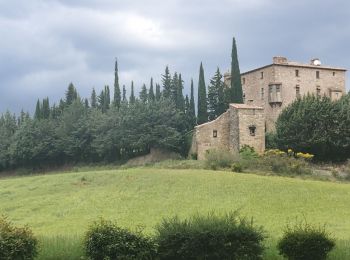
{"x":46,"y":44}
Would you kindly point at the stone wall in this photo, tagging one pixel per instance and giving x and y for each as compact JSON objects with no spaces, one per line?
{"x":230,"y":131}
{"x":204,"y":139}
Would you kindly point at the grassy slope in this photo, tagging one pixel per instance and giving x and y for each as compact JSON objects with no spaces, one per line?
{"x":66,"y":203}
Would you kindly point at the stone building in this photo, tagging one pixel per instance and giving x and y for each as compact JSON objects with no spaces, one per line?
{"x":240,"y":125}
{"x":275,"y":86}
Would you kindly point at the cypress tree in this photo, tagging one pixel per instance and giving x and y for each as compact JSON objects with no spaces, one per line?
{"x":221,"y":94}
{"x":37,"y":114}
{"x":202,"y":98}
{"x":45,"y":112}
{"x":132,"y":95}
{"x":86,"y":103}
{"x":216,"y":102}
{"x":158,"y":94}
{"x":107,"y":98}
{"x":174,"y":88}
{"x":93,"y":99}
{"x":151,"y":95}
{"x":180,"y":102}
{"x":192,"y":107}
{"x":124,"y":94}
{"x":117,"y":98}
{"x":236,"y":85}
{"x":102,"y":101}
{"x":166,"y":80}
{"x":71,"y":94}
{"x":143,"y":94}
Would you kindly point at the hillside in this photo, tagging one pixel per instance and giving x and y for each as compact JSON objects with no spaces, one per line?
{"x":64,"y":204}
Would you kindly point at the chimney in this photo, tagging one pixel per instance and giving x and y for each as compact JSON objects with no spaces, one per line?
{"x":279,"y":60}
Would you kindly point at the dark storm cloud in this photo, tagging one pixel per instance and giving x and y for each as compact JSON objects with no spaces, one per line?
{"x":47,"y":44}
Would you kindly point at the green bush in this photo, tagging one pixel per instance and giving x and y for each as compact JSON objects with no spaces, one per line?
{"x":247,"y":152}
{"x":105,"y":240}
{"x":237,"y":167}
{"x":216,"y":159}
{"x":16,"y":242}
{"x":305,"y":242}
{"x":209,"y":237}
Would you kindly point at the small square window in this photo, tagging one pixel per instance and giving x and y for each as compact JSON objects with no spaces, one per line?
{"x":262,"y":75}
{"x":215,"y":133}
{"x":333,"y":73}
{"x":297,"y":73}
{"x":262,"y":94}
{"x":252,"y":129}
{"x":243,"y":81}
{"x":318,"y":91}
{"x":317,"y":74}
{"x":297,"y":91}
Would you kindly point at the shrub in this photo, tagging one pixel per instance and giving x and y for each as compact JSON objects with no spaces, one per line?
{"x":305,"y":242}
{"x":237,"y":167}
{"x":105,"y":240}
{"x":16,"y":242}
{"x":216,"y":159}
{"x":247,"y":152}
{"x":209,"y":237}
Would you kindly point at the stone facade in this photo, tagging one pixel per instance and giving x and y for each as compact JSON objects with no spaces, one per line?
{"x":240,"y":125}
{"x":275,"y":86}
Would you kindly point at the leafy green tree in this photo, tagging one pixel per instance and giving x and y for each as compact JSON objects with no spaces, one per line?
{"x":166,"y":81}
{"x":316,"y":125}
{"x":236,"y":92}
{"x":117,"y":96}
{"x":202,"y":98}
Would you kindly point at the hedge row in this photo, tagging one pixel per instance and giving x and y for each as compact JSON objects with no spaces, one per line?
{"x":199,"y":237}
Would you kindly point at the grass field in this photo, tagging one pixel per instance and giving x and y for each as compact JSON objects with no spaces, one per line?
{"x":59,"y":207}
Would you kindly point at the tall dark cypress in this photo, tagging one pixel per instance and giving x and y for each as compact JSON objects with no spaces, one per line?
{"x":117,"y":97}
{"x":132,"y":95}
{"x":93,"y":99}
{"x":158,"y":93}
{"x":45,"y":112}
{"x":192,"y":107}
{"x":174,"y":88}
{"x":166,"y":80}
{"x":180,"y":102}
{"x":151,"y":96}
{"x":124,"y":94}
{"x":38,"y":114}
{"x":143,"y":94}
{"x":107,"y":98}
{"x":202,"y":98}
{"x":236,"y":85}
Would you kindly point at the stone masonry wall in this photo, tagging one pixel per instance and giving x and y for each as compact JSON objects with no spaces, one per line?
{"x":204,"y":139}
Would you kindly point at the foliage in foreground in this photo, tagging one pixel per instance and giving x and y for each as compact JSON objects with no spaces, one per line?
{"x":105,"y":240}
{"x":16,"y":242}
{"x":209,"y":237}
{"x":305,"y":242}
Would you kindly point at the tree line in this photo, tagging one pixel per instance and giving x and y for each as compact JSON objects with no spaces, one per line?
{"x":111,"y":128}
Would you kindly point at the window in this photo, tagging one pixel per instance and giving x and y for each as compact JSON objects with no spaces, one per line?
{"x":317,"y":74}
{"x":262,"y":93}
{"x":297,"y":91}
{"x":333,"y":73}
{"x":318,"y":91}
{"x":262,"y":75}
{"x":275,"y":95}
{"x":297,"y":73}
{"x":215,"y":133}
{"x":243,"y":81}
{"x":252,"y":129}
{"x":243,"y":97}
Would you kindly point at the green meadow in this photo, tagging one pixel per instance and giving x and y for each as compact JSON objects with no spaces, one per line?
{"x":60,"y":207}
